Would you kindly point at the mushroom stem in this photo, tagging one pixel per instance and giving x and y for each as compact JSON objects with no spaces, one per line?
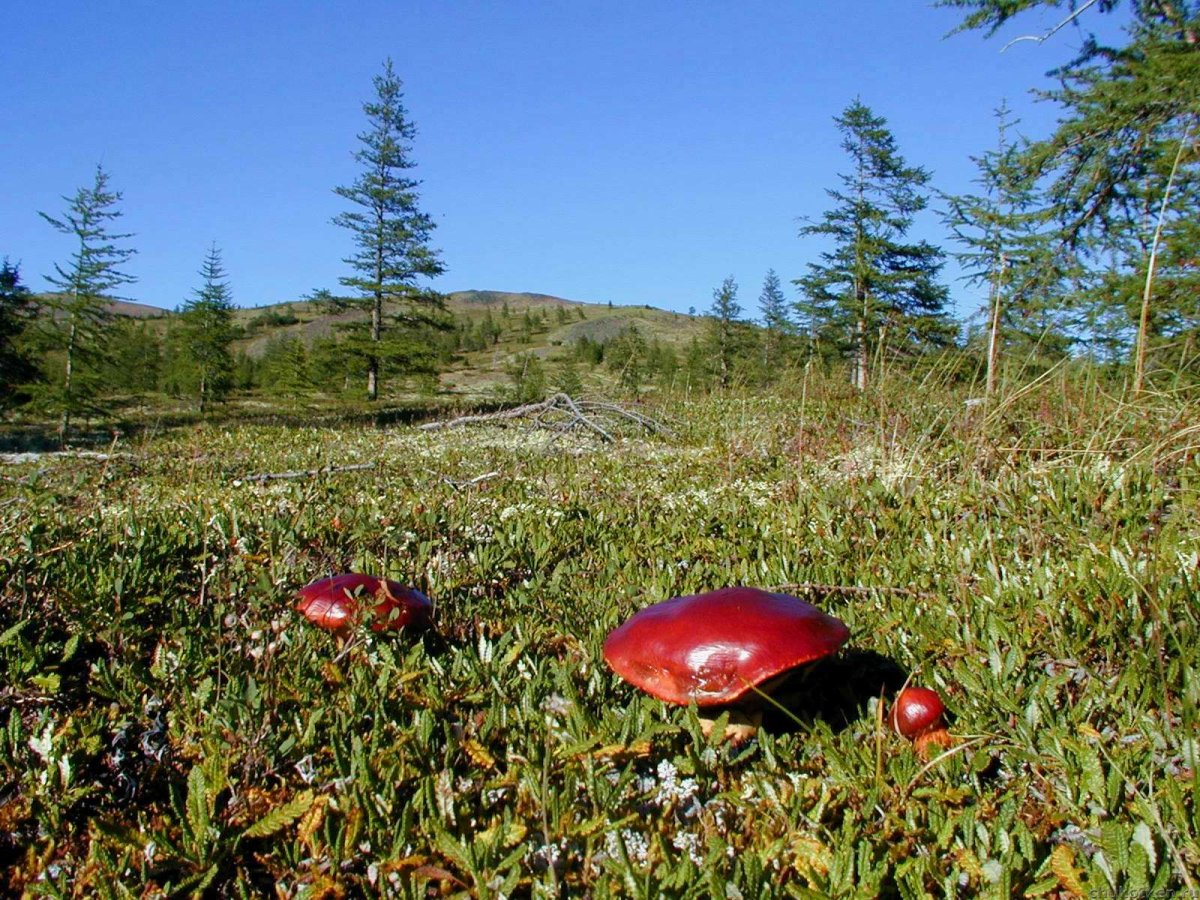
{"x":929,"y":742}
{"x":739,"y":727}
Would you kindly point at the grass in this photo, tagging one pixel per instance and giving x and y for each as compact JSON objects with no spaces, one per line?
{"x":169,"y":726}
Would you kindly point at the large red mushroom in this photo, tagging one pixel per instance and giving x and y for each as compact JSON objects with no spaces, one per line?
{"x":723,"y":648}
{"x":333,"y":603}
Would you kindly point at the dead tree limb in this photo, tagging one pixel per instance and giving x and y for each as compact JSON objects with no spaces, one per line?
{"x":559,"y":413}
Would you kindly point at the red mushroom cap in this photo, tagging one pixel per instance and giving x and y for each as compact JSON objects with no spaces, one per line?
{"x":917,"y":711}
{"x":714,"y":648}
{"x":332,"y":603}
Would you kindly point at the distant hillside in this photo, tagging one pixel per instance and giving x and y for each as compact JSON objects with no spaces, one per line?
{"x":561,"y":322}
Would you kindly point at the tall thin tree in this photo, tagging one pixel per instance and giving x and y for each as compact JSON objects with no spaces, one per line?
{"x":872,"y":283}
{"x":84,"y":286}
{"x":1007,"y":247}
{"x":391,"y":233}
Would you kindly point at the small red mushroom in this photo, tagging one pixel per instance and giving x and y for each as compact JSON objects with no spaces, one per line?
{"x":332,"y":603}
{"x":918,"y":715}
{"x":720,"y":648}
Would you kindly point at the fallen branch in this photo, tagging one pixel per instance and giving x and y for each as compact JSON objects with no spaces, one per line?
{"x":13,"y":459}
{"x":559,"y":413}
{"x":305,"y":473}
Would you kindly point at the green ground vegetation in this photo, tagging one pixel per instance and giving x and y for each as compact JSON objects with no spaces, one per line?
{"x":169,"y":725}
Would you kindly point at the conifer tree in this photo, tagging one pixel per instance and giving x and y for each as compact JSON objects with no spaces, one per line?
{"x":871,"y":285}
{"x":204,"y":334}
{"x":773,"y":306}
{"x":1123,"y":164}
{"x":84,"y":287}
{"x":17,"y":367}
{"x":724,"y":315}
{"x":1007,"y":247}
{"x":391,"y":233}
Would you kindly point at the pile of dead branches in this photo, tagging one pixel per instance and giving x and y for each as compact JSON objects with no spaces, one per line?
{"x":562,"y":414}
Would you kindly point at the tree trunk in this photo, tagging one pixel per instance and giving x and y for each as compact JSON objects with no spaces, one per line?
{"x":376,"y":334}
{"x":1139,"y":362}
{"x":65,"y":425}
{"x":993,"y":351}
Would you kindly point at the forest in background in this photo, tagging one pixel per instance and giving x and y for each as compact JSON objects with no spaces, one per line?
{"x":1082,"y":243}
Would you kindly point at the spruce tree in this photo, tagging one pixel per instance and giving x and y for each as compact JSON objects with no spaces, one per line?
{"x":724,"y":315}
{"x":204,"y":333}
{"x":872,"y":286}
{"x":773,"y":306}
{"x":17,"y":368}
{"x":84,"y":287}
{"x":390,"y":231}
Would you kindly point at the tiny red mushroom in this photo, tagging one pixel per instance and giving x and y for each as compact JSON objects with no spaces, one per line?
{"x":720,"y":648}
{"x":333,"y":603}
{"x":917,"y":715}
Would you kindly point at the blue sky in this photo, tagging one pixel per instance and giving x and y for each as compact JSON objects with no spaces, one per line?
{"x":633,"y":152}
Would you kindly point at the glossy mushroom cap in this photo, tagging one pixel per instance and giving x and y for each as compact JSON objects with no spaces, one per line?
{"x":715,"y":648}
{"x":332,"y":603}
{"x":917,"y":711}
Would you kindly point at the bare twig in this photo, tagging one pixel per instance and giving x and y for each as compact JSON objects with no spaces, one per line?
{"x":305,"y":473}
{"x":1042,"y":38}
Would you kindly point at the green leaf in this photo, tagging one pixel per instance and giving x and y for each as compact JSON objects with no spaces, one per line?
{"x":1142,"y":837}
{"x":281,"y":816}
{"x":48,"y":683}
{"x":71,"y":647}
{"x":10,"y":635}
{"x":1115,"y":842}
{"x":198,"y":817}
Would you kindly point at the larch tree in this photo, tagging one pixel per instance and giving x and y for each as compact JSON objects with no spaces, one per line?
{"x":84,"y":288}
{"x":1006,"y":246}
{"x":1123,"y":163}
{"x":872,"y":286}
{"x":391,"y":233}
{"x":204,"y":333}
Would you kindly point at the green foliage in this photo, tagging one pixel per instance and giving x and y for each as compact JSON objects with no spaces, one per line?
{"x":872,"y":286}
{"x":172,"y":726}
{"x":1008,"y":249}
{"x":134,"y":361}
{"x":204,"y":332}
{"x":283,"y":369}
{"x":628,"y":356}
{"x":76,"y":329}
{"x":528,"y":377}
{"x":566,"y":378}
{"x":774,"y":309}
{"x":17,"y":361}
{"x":1121,"y":171}
{"x":390,"y":231}
{"x":724,"y":315}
